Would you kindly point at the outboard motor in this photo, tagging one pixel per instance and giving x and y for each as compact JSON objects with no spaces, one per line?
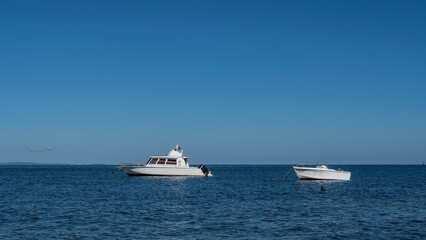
{"x":204,"y":169}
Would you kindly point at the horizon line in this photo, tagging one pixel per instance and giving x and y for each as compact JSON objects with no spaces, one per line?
{"x":217,"y":164}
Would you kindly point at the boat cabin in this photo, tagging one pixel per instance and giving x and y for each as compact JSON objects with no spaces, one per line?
{"x":167,"y":160}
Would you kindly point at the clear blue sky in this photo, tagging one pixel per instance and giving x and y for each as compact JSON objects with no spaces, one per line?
{"x":234,"y":82}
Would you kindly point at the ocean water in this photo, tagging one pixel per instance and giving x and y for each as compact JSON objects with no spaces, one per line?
{"x":239,"y":202}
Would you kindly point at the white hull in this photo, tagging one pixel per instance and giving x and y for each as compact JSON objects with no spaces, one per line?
{"x":162,"y":171}
{"x":307,"y":173}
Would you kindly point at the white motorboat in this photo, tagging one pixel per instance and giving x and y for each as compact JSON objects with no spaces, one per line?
{"x":321,"y":172}
{"x":174,"y":164}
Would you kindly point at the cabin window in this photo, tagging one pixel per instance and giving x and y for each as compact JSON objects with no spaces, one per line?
{"x":152,"y":161}
{"x":161,"y":161}
{"x":171,"y":161}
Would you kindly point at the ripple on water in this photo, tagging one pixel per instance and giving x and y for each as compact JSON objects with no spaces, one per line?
{"x":239,"y":202}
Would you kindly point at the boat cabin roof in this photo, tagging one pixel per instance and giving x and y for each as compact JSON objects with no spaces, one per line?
{"x":168,"y":157}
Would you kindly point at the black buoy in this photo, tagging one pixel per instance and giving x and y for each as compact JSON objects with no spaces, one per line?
{"x":323,"y":188}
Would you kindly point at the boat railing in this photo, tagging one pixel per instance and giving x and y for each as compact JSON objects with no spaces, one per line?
{"x":130,"y":164}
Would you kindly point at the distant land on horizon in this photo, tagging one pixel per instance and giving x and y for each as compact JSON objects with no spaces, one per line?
{"x":35,"y":163}
{"x":30,"y":163}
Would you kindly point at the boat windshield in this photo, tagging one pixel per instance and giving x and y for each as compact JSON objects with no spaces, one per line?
{"x":171,"y":161}
{"x":152,"y":161}
{"x":322,"y":166}
{"x":161,"y":161}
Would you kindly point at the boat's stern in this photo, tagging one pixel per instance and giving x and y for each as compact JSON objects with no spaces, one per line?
{"x":206,"y":171}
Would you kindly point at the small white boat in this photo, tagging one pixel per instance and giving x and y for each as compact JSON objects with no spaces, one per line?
{"x":321,"y":172}
{"x":174,"y":164}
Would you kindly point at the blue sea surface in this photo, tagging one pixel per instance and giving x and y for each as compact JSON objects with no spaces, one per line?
{"x":239,"y":202}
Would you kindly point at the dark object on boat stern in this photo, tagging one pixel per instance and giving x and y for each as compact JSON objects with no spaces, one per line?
{"x":204,"y":169}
